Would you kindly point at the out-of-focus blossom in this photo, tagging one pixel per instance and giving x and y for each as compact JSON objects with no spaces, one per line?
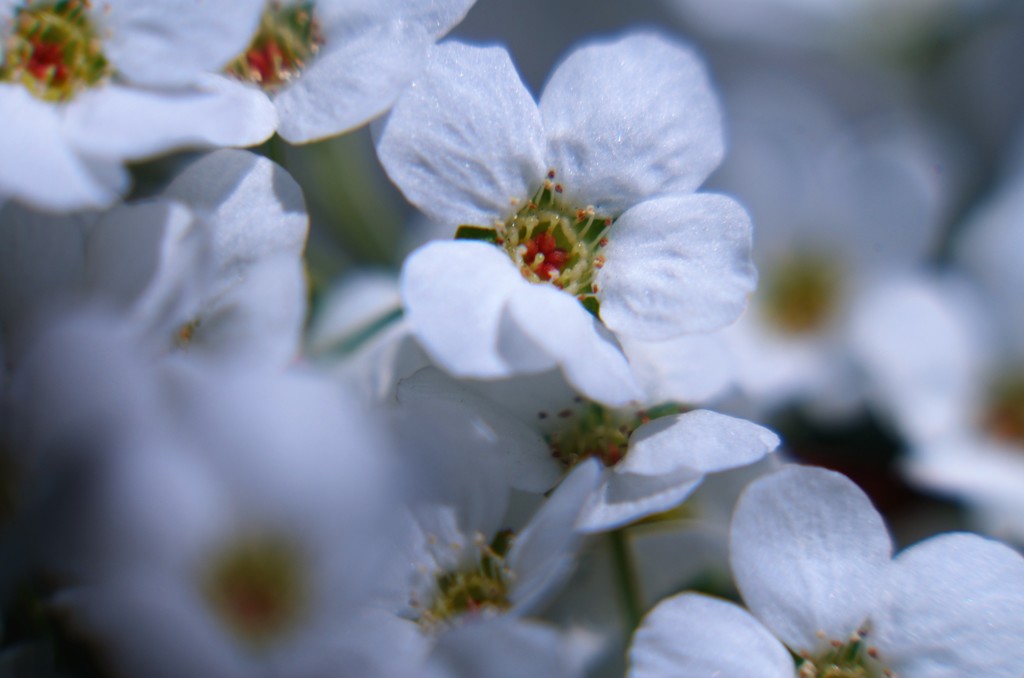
{"x":839,"y":210}
{"x":950,"y":367}
{"x":329,"y":66}
{"x":813,"y":561}
{"x":593,"y":203}
{"x":240,"y":536}
{"x":211,"y":267}
{"x":86,"y":86}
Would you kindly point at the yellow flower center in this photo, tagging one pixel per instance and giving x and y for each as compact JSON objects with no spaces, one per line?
{"x":800,"y":294}
{"x":853,"y":659}
{"x":552,"y":242}
{"x":54,"y":50}
{"x":257,"y":588}
{"x":480,"y":591}
{"x":593,"y":430}
{"x":1004,"y":415}
{"x":287,"y":38}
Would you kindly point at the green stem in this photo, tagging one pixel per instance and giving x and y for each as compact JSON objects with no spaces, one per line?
{"x":626,"y":571}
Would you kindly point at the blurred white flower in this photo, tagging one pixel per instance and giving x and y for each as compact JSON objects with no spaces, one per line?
{"x":85,"y":87}
{"x":839,"y":210}
{"x":212,"y":266}
{"x":812,"y":559}
{"x":240,"y":536}
{"x":949,"y":366}
{"x":329,"y":66}
{"x":589,"y":193}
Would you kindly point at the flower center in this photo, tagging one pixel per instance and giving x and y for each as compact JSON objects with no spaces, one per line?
{"x":1004,"y":416}
{"x":256,"y":587}
{"x":552,"y":242}
{"x":597,"y":431}
{"x":800,"y":294}
{"x":54,"y":50}
{"x":481,"y":591}
{"x":287,"y":38}
{"x":851,"y":660}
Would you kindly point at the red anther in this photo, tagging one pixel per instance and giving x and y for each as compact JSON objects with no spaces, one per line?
{"x":558,"y":188}
{"x":603,"y":242}
{"x":551,"y":174}
{"x":268,"y":61}
{"x":546,"y":242}
{"x":556,"y":258}
{"x":608,"y":222}
{"x":613,"y":455}
{"x":547,"y":271}
{"x":532,"y":248}
{"x":47,"y":63}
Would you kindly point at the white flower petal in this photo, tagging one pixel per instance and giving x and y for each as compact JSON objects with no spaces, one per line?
{"x":626,"y":497}
{"x":258,"y":320}
{"x":954,"y":607}
{"x":922,"y":352}
{"x":145,"y":259}
{"x":544,"y":553}
{"x":352,"y":306}
{"x":251,"y":208}
{"x":701,"y":441}
{"x":454,"y":294}
{"x":123,"y":122}
{"x":504,"y":648}
{"x":466,"y":138}
{"x":170,"y":42}
{"x":553,"y":323}
{"x":696,"y":635}
{"x":356,"y":76}
{"x":693,"y":368}
{"x":808,"y":553}
{"x":525,"y":455}
{"x":630,"y":119}
{"x":677,"y":265}
{"x":39,"y":165}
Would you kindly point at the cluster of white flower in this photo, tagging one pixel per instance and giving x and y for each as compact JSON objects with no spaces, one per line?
{"x":539,"y":444}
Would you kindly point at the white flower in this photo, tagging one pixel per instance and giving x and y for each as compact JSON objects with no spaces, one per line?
{"x":212,"y":266}
{"x":948,"y":362}
{"x":329,"y":66}
{"x":462,"y":560}
{"x":85,"y":87}
{"x":651,"y":458}
{"x":839,"y":210}
{"x":812,"y":559}
{"x":589,"y":193}
{"x":239,"y":535}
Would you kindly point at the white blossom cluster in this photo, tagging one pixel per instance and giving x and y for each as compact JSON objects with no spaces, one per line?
{"x":555,"y":436}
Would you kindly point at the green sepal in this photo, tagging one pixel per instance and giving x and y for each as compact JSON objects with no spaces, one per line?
{"x":468,"y":232}
{"x":592,"y":305}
